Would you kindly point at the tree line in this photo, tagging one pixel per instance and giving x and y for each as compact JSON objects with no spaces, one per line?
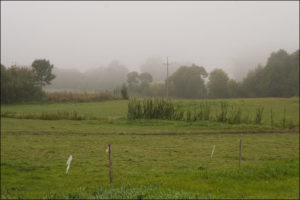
{"x":24,"y":84}
{"x":278,"y":78}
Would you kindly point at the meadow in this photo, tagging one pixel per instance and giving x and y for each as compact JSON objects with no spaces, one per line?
{"x":151,"y":158}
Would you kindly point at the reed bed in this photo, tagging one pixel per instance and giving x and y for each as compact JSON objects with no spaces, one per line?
{"x":153,"y":108}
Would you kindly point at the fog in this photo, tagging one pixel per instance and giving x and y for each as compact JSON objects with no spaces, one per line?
{"x":234,"y":36}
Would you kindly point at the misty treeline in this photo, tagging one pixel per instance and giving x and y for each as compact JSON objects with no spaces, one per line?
{"x":278,"y":78}
{"x":24,"y":84}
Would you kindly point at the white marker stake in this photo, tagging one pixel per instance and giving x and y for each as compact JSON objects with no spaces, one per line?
{"x":68,"y":163}
{"x":212,"y":153}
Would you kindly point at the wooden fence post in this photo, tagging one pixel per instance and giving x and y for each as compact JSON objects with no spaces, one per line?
{"x":240,"y":159}
{"x":110,"y":164}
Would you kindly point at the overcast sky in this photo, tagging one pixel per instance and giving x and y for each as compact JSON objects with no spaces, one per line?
{"x":82,"y":35}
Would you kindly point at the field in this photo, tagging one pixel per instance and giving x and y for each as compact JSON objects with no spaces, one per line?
{"x":151,"y":158}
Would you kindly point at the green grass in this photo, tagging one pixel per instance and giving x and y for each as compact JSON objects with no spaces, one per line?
{"x":118,"y":109}
{"x":148,"y":161}
{"x":33,"y":166}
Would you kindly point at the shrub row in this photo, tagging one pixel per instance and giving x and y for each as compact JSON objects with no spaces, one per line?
{"x":79,"y":97}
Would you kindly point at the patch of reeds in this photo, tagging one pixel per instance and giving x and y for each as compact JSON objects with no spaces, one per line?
{"x":284,"y":119}
{"x":235,"y":115}
{"x":222,"y":114}
{"x":272,"y":117}
{"x":165,"y":109}
{"x":151,"y":109}
{"x":259,"y":115}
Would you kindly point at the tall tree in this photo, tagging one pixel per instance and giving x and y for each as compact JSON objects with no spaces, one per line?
{"x":187,"y":82}
{"x":133,"y":82}
{"x":253,"y":84}
{"x":145,"y":79}
{"x":18,"y":85}
{"x":43,"y":71}
{"x":233,"y":88}
{"x":217,"y":84}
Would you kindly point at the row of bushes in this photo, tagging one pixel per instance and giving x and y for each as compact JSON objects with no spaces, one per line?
{"x":51,"y":116}
{"x":79,"y":97}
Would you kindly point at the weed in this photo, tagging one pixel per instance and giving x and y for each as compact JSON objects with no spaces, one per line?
{"x":258,"y":115}
{"x":222,"y":115}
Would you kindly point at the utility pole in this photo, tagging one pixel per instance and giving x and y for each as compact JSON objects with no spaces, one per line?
{"x":167,"y":80}
{"x":167,"y":85}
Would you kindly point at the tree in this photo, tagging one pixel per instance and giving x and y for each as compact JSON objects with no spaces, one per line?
{"x":254,"y":84}
{"x":233,"y":88}
{"x":18,"y":85}
{"x":157,"y":89}
{"x":187,"y":82}
{"x":217,"y":84}
{"x":278,"y":78}
{"x":281,"y":74}
{"x":133,"y":81}
{"x":145,"y":79}
{"x":124,"y":92}
{"x":43,"y":72}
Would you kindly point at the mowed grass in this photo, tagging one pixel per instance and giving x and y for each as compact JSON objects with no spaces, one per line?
{"x":116,"y":108}
{"x":151,"y":158}
{"x":147,"y":166}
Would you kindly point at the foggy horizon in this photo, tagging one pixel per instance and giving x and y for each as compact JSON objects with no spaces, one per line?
{"x":234,"y":36}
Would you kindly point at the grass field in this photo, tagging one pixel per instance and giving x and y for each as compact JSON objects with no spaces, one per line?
{"x":151,"y":158}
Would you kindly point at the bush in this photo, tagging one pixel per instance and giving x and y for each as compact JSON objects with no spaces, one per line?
{"x":79,"y":97}
{"x":18,"y":85}
{"x":124,"y":92}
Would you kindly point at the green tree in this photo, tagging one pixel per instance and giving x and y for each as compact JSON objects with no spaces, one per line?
{"x":133,"y":82}
{"x":43,"y":72}
{"x":279,"y":77}
{"x":18,"y":85}
{"x":233,"y":88}
{"x":254,"y":84}
{"x":124,"y":91}
{"x":217,"y":84}
{"x":145,"y":79}
{"x":187,"y":82}
{"x":157,"y":89}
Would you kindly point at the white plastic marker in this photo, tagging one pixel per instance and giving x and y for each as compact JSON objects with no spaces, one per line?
{"x":107,"y":150}
{"x":212,"y":153}
{"x":68,"y":163}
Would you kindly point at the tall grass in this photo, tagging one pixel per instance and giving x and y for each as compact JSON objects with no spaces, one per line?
{"x":272,"y":118}
{"x":284,"y":118}
{"x":166,"y":109}
{"x":235,"y":116}
{"x":222,"y":114}
{"x":258,"y":115}
{"x":151,"y":109}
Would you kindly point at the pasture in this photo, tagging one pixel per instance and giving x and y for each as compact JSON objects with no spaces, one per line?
{"x":151,"y":158}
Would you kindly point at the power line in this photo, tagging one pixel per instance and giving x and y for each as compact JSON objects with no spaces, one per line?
{"x":167,"y":80}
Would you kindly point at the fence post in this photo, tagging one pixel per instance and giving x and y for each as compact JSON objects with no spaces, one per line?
{"x":240,"y":159}
{"x":110,"y":164}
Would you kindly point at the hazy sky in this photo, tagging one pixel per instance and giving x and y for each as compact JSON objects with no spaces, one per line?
{"x":82,"y":35}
